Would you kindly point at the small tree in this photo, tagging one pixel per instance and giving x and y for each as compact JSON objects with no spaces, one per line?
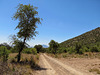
{"x":4,"y":53}
{"x":38,"y":48}
{"x":17,"y":44}
{"x":6,"y":45}
{"x":94,"y":49}
{"x":78,"y":47}
{"x":26,"y":14}
{"x":53,"y":46}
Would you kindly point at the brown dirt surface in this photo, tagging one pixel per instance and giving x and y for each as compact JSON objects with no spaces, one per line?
{"x":63,"y":66}
{"x":83,"y":64}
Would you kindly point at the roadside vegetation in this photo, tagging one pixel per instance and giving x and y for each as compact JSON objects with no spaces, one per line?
{"x":18,"y":58}
{"x":10,"y":66}
{"x":78,"y":48}
{"x":30,"y":56}
{"x":88,"y":42}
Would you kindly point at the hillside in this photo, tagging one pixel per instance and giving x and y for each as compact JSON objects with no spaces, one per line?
{"x":87,"y":38}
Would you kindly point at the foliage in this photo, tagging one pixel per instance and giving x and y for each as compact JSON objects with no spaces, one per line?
{"x":91,"y":37}
{"x":53,"y":46}
{"x":38,"y":48}
{"x":94,"y":49}
{"x":30,"y":51}
{"x":87,"y":42}
{"x":47,"y":50}
{"x":4,"y":53}
{"x":71,"y":50}
{"x":16,"y":44}
{"x":85,"y":49}
{"x":34,"y":51}
{"x":44,"y":50}
{"x":62,"y":50}
{"x":59,"y":50}
{"x":13,"y":50}
{"x":81,"y":51}
{"x":26,"y":14}
{"x":6,"y":45}
{"x":27,"y":50}
{"x":78,"y":48}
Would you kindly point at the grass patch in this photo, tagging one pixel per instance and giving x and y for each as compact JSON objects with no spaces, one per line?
{"x":95,"y":70}
{"x":27,"y":65}
{"x":64,"y":55}
{"x":85,"y":55}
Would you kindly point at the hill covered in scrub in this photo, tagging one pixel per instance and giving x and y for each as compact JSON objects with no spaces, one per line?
{"x":90,"y":37}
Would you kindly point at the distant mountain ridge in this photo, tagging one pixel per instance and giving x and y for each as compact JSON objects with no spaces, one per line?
{"x":89,"y":37}
{"x":45,"y":46}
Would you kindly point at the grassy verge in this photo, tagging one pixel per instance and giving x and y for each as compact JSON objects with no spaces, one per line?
{"x":27,"y":65}
{"x":85,"y":55}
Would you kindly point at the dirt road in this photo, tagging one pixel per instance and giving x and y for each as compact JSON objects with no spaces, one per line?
{"x":52,"y":66}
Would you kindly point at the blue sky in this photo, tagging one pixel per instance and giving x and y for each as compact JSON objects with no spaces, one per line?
{"x":62,"y":19}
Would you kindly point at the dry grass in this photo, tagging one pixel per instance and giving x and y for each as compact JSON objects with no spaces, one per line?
{"x":85,"y":55}
{"x":95,"y":70}
{"x":27,"y":65}
{"x":88,"y":62}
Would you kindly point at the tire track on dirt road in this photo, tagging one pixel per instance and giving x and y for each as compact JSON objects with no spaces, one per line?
{"x":67,"y":68}
{"x":50,"y":70}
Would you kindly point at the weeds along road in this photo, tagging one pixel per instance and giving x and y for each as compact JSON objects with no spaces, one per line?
{"x":51,"y":66}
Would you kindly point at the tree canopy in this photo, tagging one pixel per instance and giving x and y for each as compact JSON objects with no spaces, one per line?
{"x":27,"y":16}
{"x":38,"y":48}
{"x":53,"y":46}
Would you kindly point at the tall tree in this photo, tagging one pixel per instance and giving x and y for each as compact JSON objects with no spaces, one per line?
{"x":26,"y":14}
{"x":6,"y":45}
{"x":38,"y":48}
{"x":53,"y":46}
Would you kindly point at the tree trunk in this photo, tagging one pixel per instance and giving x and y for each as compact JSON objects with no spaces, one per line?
{"x":19,"y":54}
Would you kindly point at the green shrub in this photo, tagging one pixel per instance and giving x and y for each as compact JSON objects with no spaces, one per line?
{"x":81,"y":51}
{"x":27,"y":50}
{"x":4,"y":53}
{"x":13,"y":50}
{"x":85,"y":49}
{"x":71,"y":50}
{"x":94,"y":49}
{"x":34,"y":51}
{"x":43,"y":50}
{"x":53,"y":46}
{"x":62,"y":50}
{"x":78,"y":46}
{"x":38,"y":48}
{"x":59,"y":51}
{"x":30,"y":51}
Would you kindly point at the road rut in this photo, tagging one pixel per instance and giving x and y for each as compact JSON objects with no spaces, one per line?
{"x":54,"y":67}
